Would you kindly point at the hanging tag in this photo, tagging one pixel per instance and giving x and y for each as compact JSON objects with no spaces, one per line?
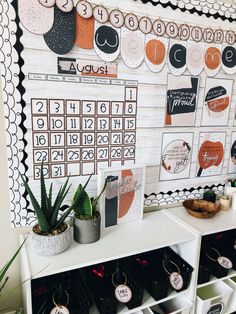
{"x":176,"y":281}
{"x":123,"y":293}
{"x":225,"y":262}
{"x":60,"y":309}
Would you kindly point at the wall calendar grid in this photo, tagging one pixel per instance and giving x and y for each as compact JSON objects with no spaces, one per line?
{"x":77,"y":137}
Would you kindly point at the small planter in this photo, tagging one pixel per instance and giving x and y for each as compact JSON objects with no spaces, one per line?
{"x":52,"y":244}
{"x":87,"y":231}
{"x":225,"y":203}
{"x":209,"y":196}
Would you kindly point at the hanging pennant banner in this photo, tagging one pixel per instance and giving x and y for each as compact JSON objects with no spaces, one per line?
{"x":229,"y":59}
{"x":155,"y":52}
{"x":177,"y":57}
{"x":212,"y":59}
{"x":84,"y":32}
{"x":195,"y":57}
{"x":107,"y":41}
{"x":132,"y":47}
{"x":35,"y":17}
{"x":61,"y":37}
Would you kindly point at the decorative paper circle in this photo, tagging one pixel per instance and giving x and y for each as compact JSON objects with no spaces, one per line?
{"x":218,"y":36}
{"x":35,"y":17}
{"x":176,"y":281}
{"x":210,"y":154}
{"x":60,"y":309}
{"x":195,"y":57}
{"x":230,"y":37}
{"x":212,"y":59}
{"x":176,"y":156}
{"x":172,"y":29}
{"x":233,"y":158}
{"x":229,"y":59}
{"x":145,"y":25}
{"x":132,"y":47}
{"x":47,"y":3}
{"x":184,"y":32}
{"x":65,"y":5}
{"x":177,"y":57}
{"x":131,"y":22}
{"x":208,"y":35}
{"x":225,"y":262}
{"x":117,"y":18}
{"x":159,"y":27}
{"x":100,"y":14}
{"x":123,"y":293}
{"x":156,"y":51}
{"x":196,"y":33}
{"x":107,"y":42}
{"x":84,"y":9}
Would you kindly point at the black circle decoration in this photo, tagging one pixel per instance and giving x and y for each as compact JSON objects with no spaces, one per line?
{"x":107,"y":39}
{"x":233,"y":151}
{"x":229,"y":57}
{"x":177,"y":56}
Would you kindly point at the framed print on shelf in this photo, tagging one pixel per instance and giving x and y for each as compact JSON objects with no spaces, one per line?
{"x":123,"y":198}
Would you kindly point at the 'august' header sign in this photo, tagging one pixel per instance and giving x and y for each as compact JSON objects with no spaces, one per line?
{"x":86,"y":67}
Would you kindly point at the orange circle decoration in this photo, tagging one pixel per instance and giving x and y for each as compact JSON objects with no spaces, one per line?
{"x":155,"y":51}
{"x":213,"y":58}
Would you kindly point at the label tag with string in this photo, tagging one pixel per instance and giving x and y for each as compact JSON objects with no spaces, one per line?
{"x":223,"y":261}
{"x":122,"y":292}
{"x":176,"y":280}
{"x":60,"y":309}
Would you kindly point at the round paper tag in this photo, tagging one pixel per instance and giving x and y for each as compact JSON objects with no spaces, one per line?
{"x":60,"y":309}
{"x":47,"y":3}
{"x":123,"y":293}
{"x":65,"y":5}
{"x":84,"y":9}
{"x":176,"y":281}
{"x":225,"y":262}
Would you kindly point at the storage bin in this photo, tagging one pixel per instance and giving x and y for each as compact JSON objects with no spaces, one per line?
{"x":45,"y":289}
{"x":232,"y":301}
{"x":213,"y":295}
{"x":217,"y":270}
{"x":147,"y":267}
{"x":99,"y":281}
{"x":180,"y":305}
{"x":204,"y":271}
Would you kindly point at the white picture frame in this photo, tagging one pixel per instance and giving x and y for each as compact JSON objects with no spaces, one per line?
{"x":123,"y":198}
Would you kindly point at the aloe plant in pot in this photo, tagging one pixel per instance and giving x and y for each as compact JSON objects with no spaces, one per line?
{"x":87,"y":221}
{"x":51,"y":235}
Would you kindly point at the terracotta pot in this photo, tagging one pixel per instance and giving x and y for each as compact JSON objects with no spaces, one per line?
{"x":50,"y":245}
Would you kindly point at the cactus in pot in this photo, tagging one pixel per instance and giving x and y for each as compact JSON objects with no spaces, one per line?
{"x":87,"y":223}
{"x":51,"y":235}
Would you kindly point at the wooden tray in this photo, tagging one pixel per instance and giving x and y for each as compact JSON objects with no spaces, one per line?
{"x":209,"y":209}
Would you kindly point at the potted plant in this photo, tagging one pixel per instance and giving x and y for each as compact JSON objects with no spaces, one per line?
{"x":210,"y":196}
{"x":51,"y":235}
{"x":225,"y":201}
{"x":87,"y":219}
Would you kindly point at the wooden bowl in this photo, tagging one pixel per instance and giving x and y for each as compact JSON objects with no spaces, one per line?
{"x":201,"y":208}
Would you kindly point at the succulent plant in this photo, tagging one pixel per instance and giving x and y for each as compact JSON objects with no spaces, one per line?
{"x":87,"y":207}
{"x":47,"y":211}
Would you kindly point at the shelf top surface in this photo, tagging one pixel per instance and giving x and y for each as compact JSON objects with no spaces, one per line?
{"x":224,"y":220}
{"x":156,"y":230}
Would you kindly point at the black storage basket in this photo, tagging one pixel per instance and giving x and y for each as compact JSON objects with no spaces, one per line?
{"x":217,"y":270}
{"x":204,"y":271}
{"x":45,"y":289}
{"x":185,"y":269}
{"x":99,"y":281}
{"x":147,"y":268}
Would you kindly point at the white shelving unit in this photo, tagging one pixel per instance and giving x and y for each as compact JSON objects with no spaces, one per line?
{"x":223,"y":221}
{"x":156,"y":230}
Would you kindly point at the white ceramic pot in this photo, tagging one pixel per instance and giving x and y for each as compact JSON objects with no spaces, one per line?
{"x":50,"y":245}
{"x":225,"y":204}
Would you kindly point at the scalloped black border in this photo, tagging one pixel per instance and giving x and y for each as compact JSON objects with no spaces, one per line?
{"x":192,"y":11}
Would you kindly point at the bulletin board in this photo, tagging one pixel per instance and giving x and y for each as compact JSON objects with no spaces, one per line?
{"x":88,"y":85}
